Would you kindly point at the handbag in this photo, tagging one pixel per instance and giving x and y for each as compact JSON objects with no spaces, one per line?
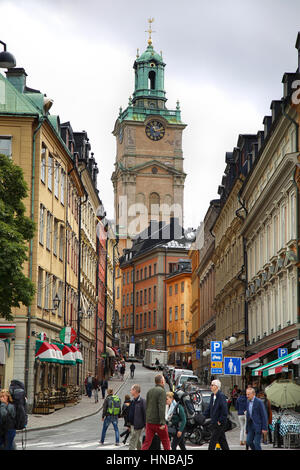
{"x":172,"y":431}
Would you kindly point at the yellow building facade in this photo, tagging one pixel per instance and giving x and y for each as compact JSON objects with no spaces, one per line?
{"x":178,"y":313}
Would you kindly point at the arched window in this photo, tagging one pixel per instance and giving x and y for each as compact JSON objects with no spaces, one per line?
{"x":152,"y":77}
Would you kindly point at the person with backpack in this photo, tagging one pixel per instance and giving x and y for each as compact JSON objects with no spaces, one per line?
{"x":110,"y":414}
{"x":7,"y":420}
{"x":176,"y":422}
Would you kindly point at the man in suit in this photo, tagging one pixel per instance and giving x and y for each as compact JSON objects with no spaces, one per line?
{"x":257,"y":421}
{"x":217,"y":411}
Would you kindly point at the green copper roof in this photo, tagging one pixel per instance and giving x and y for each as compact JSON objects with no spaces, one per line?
{"x":14,"y":102}
{"x":149,"y":55}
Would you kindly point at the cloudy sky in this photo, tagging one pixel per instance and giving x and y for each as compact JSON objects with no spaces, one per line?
{"x":225,"y":61}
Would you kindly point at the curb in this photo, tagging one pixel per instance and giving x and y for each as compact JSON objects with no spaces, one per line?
{"x":72,"y":420}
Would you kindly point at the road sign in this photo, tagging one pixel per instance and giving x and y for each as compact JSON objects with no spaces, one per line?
{"x":216,"y":371}
{"x":198,"y":352}
{"x":217,"y":357}
{"x":232,"y":365}
{"x":216,"y":365}
{"x":282,"y":352}
{"x":216,"y":346}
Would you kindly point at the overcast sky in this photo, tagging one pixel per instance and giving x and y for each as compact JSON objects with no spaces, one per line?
{"x":225,"y":61}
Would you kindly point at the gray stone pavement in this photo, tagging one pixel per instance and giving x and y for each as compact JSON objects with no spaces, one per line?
{"x":86,"y":407}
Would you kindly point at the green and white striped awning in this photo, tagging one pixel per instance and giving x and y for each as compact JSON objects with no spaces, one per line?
{"x":275,"y":367}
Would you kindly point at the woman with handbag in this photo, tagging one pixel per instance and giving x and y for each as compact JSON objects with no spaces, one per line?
{"x":176,"y":422}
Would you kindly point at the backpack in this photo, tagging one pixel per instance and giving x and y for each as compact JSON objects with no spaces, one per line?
{"x":113,"y":405}
{"x":17,"y":391}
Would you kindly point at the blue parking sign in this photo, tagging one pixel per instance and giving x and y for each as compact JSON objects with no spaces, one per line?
{"x":282,"y":352}
{"x":216,"y":346}
{"x":232,"y":365}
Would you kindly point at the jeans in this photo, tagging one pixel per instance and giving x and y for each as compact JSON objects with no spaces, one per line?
{"x":89,"y":390}
{"x":107,"y":421}
{"x":96,"y":395}
{"x":178,"y":441}
{"x":253,"y":437}
{"x":7,"y":439}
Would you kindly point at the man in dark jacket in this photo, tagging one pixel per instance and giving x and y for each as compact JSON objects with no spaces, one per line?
{"x":218,"y":412}
{"x":136,"y":417}
{"x":257,"y":421}
{"x":156,"y":415}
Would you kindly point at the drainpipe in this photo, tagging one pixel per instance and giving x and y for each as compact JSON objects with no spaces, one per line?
{"x":28,"y":326}
{"x":79,"y":271}
{"x":245,"y":281}
{"x":297,"y":209}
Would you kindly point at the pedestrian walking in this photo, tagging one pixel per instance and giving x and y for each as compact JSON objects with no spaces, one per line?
{"x":122,"y":371}
{"x":263,"y":397}
{"x":217,"y":411}
{"x":257,"y":420}
{"x":241,"y":407}
{"x":132,"y":369}
{"x":157,"y":364}
{"x":96,"y":387}
{"x":124,"y":414}
{"x":110,"y":414}
{"x":7,"y":420}
{"x":155,"y":414}
{"x":176,"y":422}
{"x":104,"y":386}
{"x":136,"y":417}
{"x":89,"y":385}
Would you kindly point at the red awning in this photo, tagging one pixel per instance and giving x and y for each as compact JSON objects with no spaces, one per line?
{"x":254,"y":358}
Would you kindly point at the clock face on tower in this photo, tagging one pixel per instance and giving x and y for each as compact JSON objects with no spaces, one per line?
{"x":155,"y":130}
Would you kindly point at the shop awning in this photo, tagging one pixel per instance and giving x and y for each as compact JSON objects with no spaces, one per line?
{"x":275,"y":367}
{"x":46,"y":352}
{"x":116,"y":351}
{"x":7,"y":329}
{"x":68,"y":354}
{"x":255,"y":357}
{"x":110,"y":352}
{"x":78,"y":355}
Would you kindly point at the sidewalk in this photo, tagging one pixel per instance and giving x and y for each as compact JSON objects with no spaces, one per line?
{"x":86,"y":407}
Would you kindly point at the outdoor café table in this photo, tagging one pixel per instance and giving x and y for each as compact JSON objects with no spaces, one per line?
{"x":289,"y":423}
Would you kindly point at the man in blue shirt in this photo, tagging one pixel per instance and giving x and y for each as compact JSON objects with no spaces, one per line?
{"x":257,"y":422}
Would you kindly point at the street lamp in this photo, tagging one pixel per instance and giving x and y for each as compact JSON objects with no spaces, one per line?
{"x":7,"y":60}
{"x":56,"y":302}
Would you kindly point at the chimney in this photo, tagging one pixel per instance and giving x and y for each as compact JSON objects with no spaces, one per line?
{"x":260,"y":139}
{"x":297,"y":46}
{"x":17,"y":77}
{"x":275,"y":107}
{"x":267,"y":122}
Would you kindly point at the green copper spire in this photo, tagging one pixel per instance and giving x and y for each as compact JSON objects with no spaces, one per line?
{"x":149,"y":96}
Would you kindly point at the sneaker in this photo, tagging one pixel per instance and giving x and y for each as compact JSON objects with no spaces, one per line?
{"x":117,"y":444}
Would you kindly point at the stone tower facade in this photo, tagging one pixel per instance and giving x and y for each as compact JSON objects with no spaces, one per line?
{"x":148,"y":178}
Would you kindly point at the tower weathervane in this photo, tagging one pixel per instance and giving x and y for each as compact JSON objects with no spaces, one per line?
{"x":150,"y":31}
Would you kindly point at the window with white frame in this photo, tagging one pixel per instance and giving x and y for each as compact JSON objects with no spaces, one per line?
{"x":56,"y":179}
{"x":62,"y":187}
{"x":50,"y":172}
{"x":49,"y":230}
{"x":43,"y":164}
{"x":5,"y":146}
{"x":40,"y":288}
{"x":42,"y":223}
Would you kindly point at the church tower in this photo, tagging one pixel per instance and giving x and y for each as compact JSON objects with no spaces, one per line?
{"x":148,"y":178}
